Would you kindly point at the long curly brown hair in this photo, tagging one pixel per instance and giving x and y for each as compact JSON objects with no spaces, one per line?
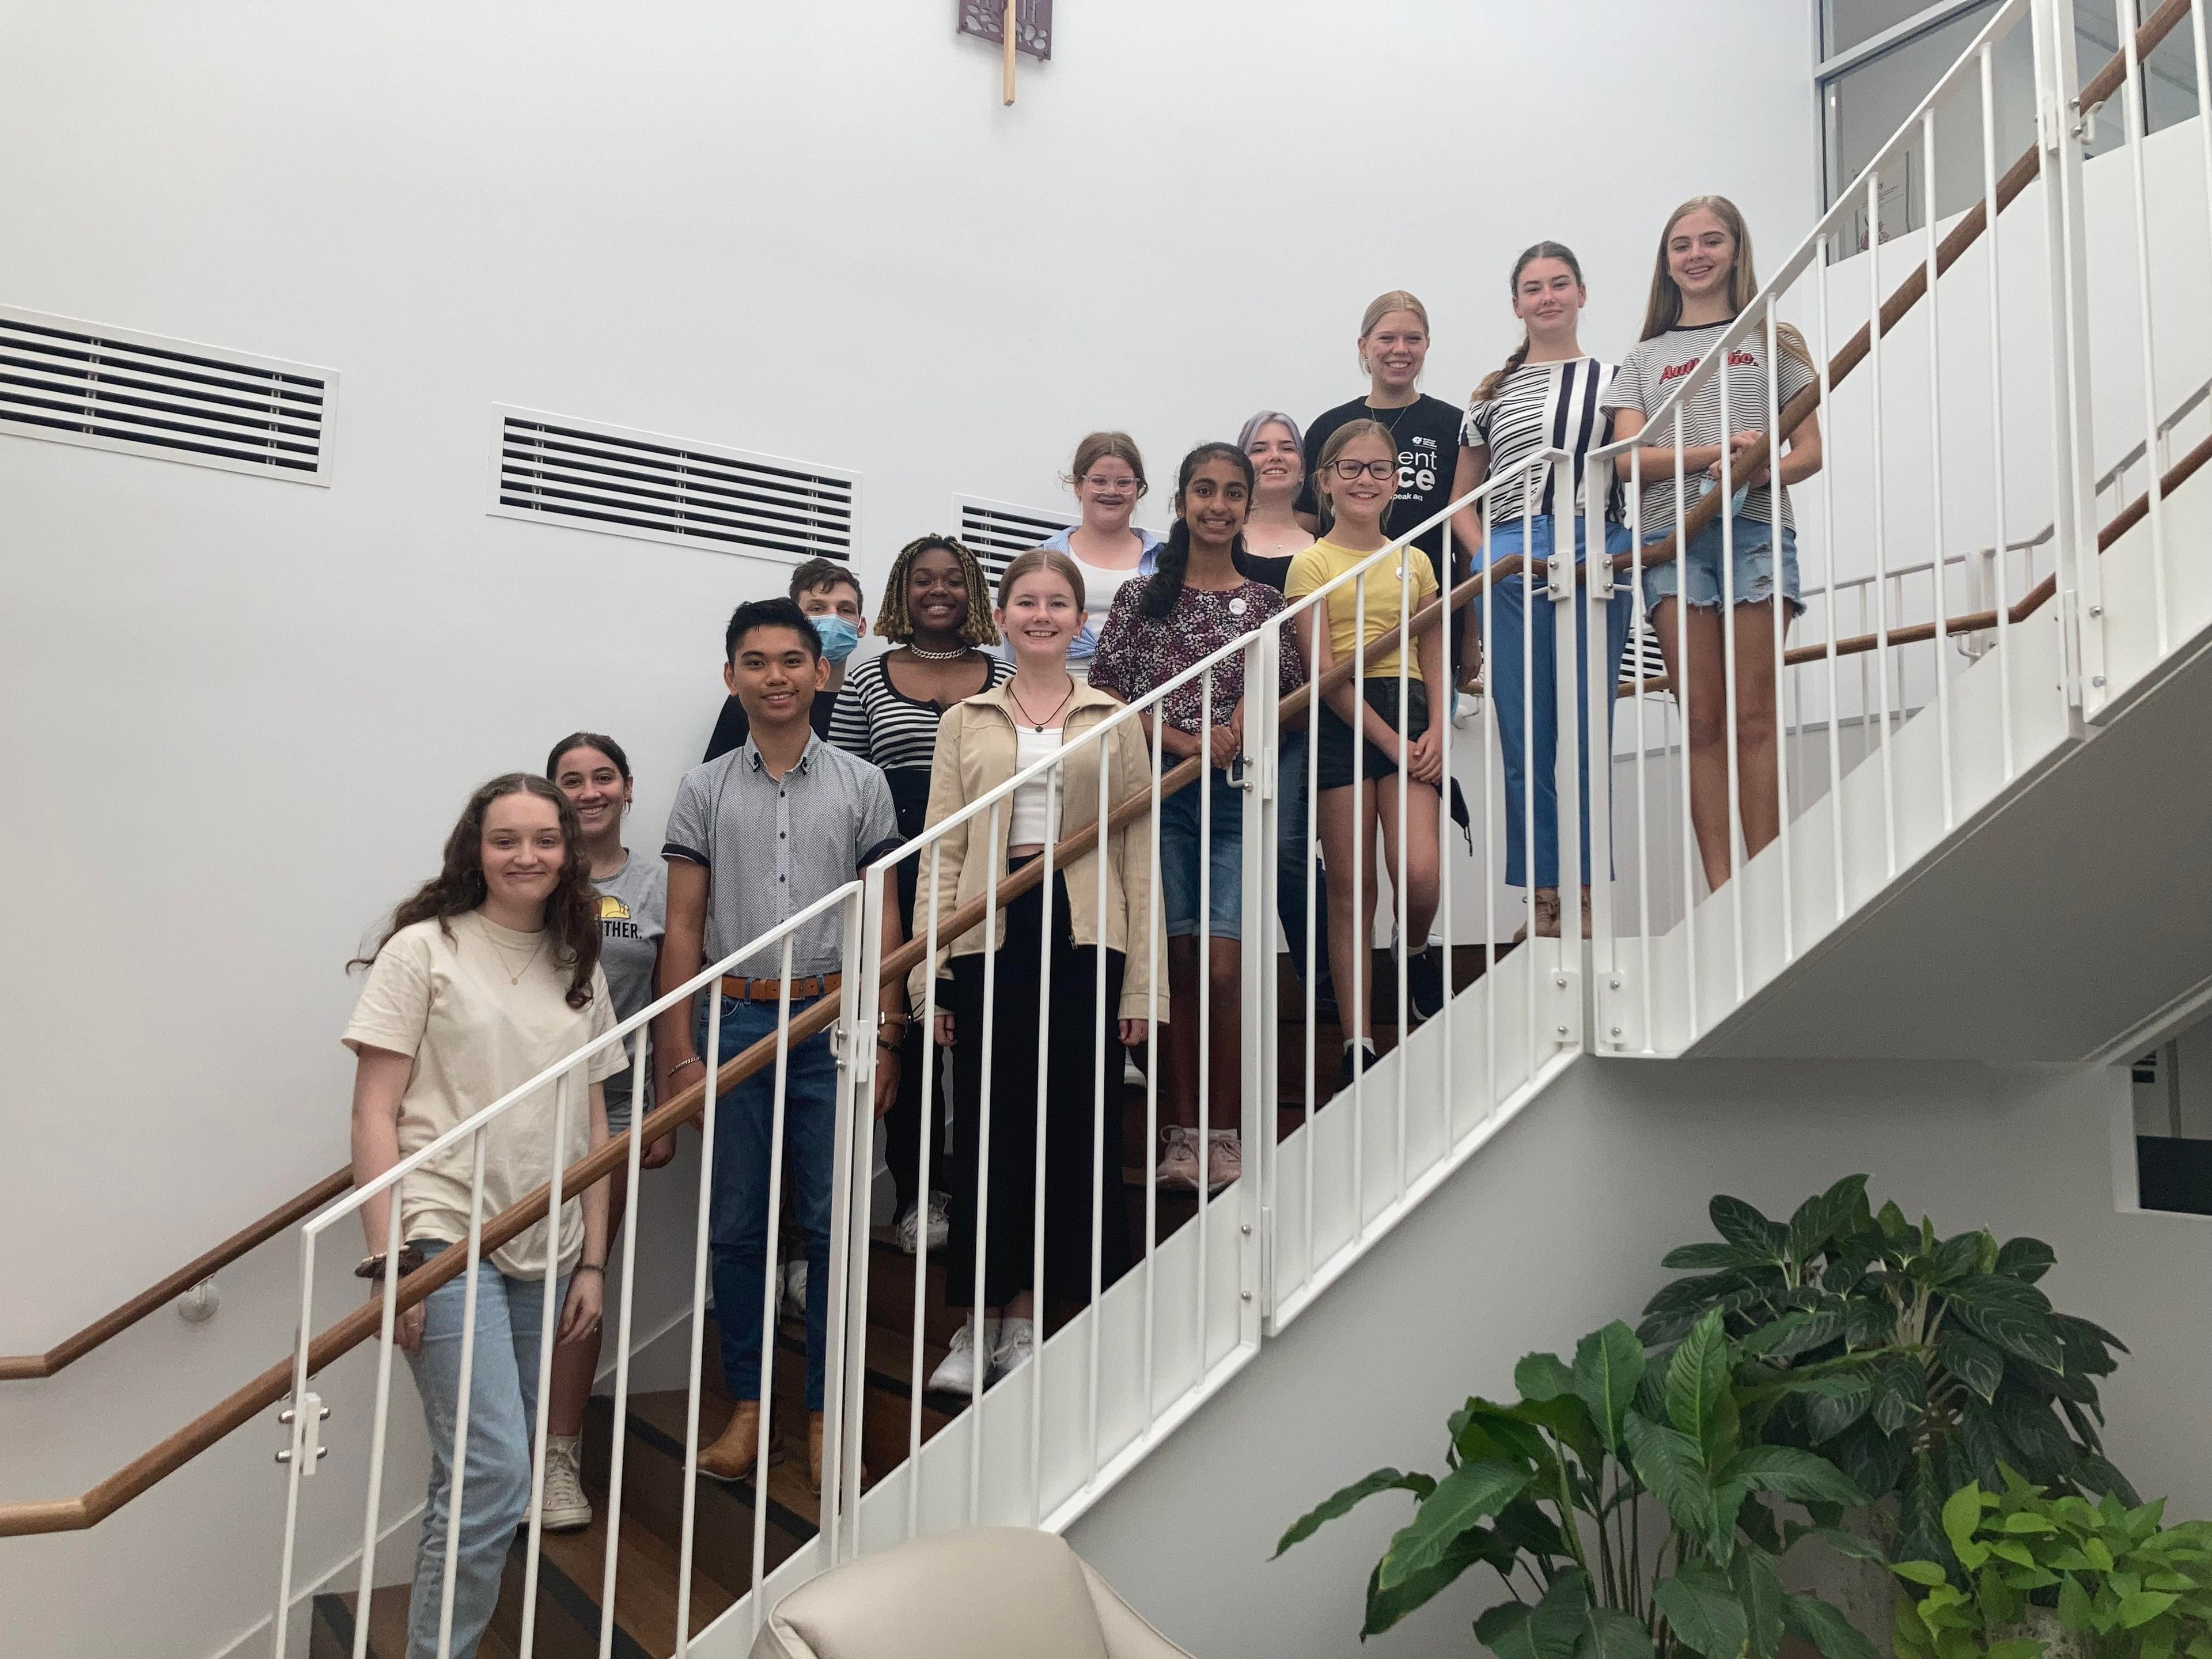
{"x":572,"y":908}
{"x":895,"y":626}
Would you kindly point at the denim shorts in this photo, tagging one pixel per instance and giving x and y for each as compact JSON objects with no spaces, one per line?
{"x":1753,"y":564}
{"x":1179,"y":864}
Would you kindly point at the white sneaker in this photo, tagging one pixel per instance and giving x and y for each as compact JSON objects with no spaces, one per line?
{"x":564,"y":1508}
{"x":1178,"y":1169}
{"x":1224,"y":1159}
{"x":907,"y":1234}
{"x":794,"y":1288}
{"x":1017,"y":1347}
{"x":956,"y":1372}
{"x":1133,"y":1074}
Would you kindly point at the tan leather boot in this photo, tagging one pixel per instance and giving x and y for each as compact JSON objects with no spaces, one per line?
{"x":731,"y":1457}
{"x":814,"y":1453}
{"x":1544,"y":906}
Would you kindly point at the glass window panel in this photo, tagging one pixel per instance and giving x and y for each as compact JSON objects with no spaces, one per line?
{"x":1846,"y":23}
{"x":2169,"y":73}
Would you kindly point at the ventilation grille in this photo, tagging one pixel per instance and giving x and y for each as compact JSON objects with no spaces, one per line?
{"x":994,"y":532}
{"x":634,"y":483}
{"x":79,"y":383}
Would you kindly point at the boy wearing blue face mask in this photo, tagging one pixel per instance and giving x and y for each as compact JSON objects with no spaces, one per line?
{"x":830,"y":592}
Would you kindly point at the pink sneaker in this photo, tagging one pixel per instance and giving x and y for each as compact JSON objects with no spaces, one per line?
{"x":1179,"y":1162}
{"x":1224,"y":1159}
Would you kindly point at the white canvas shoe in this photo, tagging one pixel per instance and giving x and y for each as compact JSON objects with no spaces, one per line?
{"x":956,"y":1372}
{"x":564,"y":1507}
{"x":1017,"y":1347}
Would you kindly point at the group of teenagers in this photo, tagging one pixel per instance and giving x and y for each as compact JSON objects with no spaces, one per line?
{"x":821,"y":764}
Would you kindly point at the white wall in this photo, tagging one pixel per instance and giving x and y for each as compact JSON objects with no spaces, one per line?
{"x":242,"y":713}
{"x":1558,"y":1227}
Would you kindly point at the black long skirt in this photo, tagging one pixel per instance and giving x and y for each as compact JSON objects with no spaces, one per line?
{"x":1073,"y":1183}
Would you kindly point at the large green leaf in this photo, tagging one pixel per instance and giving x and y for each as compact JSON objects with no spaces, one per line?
{"x":2047,"y":1454}
{"x":1820,"y":1219}
{"x":1962,"y":1518}
{"x":1609,"y":1633}
{"x":1608,"y":1365}
{"x":1543,"y":1377}
{"x":1920,"y":1513}
{"x":1957,"y":1256}
{"x":1523,"y":1524}
{"x":1814,"y":1620}
{"x":2015,"y":1316}
{"x":1741,"y":1223}
{"x":1705,"y":1611}
{"x":2025,"y":1259}
{"x":1672,"y":1467}
{"x":1549,"y":1630}
{"x":1796,"y":1332}
{"x":1470,"y":1493}
{"x":1758,"y":1587}
{"x":1485,"y":1432}
{"x":1789,"y":1473}
{"x":1385,"y":1608}
{"x":1971,"y":1360}
{"x":1900,"y":1393}
{"x":1710,"y":1256}
{"x":1342,"y":1503}
{"x":1697,"y":1380}
{"x":1835,"y":1401}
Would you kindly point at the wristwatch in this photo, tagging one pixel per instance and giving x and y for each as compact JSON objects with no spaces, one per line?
{"x":372,"y":1266}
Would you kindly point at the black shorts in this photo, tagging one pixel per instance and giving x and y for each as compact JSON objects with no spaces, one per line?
{"x":1337,"y":766}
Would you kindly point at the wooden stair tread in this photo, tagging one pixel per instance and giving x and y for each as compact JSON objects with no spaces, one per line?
{"x":332,"y":1627}
{"x":787,"y":1489}
{"x":645,"y":1581}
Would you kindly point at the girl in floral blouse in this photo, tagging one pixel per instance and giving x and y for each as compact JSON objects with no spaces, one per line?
{"x":1192,"y":605}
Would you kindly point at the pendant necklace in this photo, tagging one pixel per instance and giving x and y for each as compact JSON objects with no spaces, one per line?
{"x":1014,"y":697}
{"x":515,"y":974}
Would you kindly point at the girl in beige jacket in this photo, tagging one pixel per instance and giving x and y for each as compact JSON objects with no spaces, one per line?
{"x":982,"y":743}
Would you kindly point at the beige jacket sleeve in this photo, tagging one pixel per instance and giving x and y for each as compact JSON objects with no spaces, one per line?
{"x":1132,"y":851}
{"x":947,"y":795}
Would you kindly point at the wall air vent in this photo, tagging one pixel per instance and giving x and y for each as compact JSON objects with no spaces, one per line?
{"x":551,"y":469}
{"x":994,"y":532}
{"x":81,"y":383}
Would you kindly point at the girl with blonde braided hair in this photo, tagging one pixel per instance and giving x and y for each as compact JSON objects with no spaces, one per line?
{"x":936,"y":614}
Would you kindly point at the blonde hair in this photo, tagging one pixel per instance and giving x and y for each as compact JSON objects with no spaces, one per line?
{"x":1663,"y":310}
{"x":1380,"y":306}
{"x":1335,"y":444}
{"x":1041,"y":558}
{"x":1098,"y":447}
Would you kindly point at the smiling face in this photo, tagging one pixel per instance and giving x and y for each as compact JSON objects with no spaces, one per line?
{"x":937,"y":592}
{"x":1360,"y":481}
{"x":1394,"y":351}
{"x":521,"y":849}
{"x":1215,"y":503}
{"x":773,"y":676}
{"x":595,"y":787}
{"x":1701,"y":254}
{"x":1040,"y":619}
{"x":1278,"y":468}
{"x":1547,"y":297}
{"x":1108,"y":494}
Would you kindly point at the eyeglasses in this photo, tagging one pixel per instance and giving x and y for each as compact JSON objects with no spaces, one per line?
{"x":1380,"y":471}
{"x":1100,"y":481}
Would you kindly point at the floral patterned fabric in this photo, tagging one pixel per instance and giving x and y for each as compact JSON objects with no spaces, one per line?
{"x":1138,"y":653}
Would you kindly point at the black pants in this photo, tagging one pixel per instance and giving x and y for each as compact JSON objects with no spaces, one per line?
{"x":902,"y":1126}
{"x":1072,"y":1183}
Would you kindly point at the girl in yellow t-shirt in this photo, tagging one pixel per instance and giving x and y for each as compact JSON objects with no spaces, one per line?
{"x":1359,"y":772}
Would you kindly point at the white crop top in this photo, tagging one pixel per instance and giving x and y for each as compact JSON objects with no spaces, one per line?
{"x":1030,"y":823}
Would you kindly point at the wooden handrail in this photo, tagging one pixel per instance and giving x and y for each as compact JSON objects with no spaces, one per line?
{"x":1909,"y":293}
{"x":65,"y":1515}
{"x":17,"y":1367}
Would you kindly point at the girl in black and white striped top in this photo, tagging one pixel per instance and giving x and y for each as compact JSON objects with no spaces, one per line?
{"x":1547,"y":396}
{"x":937,"y":616}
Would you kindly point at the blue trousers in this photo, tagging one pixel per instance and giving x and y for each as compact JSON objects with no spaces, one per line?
{"x":502,"y":1411}
{"x":1524,"y":692}
{"x":737,"y":1238}
{"x":1290,"y":867}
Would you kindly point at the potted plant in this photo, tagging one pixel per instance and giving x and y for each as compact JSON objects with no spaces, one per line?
{"x":1915,"y":1363}
{"x":2032,"y":1575}
{"x":1551,"y":1493}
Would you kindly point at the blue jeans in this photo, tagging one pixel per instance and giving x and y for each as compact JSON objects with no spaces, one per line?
{"x":1180,"y":864}
{"x":1526,"y":696}
{"x":738,"y":1218}
{"x":1751,"y":567}
{"x":1290,"y":866}
{"x":502,"y":1411}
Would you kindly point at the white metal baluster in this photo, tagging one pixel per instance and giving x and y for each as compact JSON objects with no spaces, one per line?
{"x":2155,"y":483}
{"x":845,"y":1322}
{"x":1053,"y":780}
{"x":1692,"y":860}
{"x":1154,"y":922}
{"x":1491,"y":745}
{"x":549,"y":1317}
{"x":1360,"y":1014}
{"x":771,"y":1286}
{"x":457,"y":1496}
{"x":1259,"y":1024}
{"x":1105,"y":1033}
{"x":1990,"y":232}
{"x":918,"y":1356}
{"x":1936,"y":473}
{"x":1315,"y":896}
{"x":298,"y":1457}
{"x":1881,"y":665}
{"x":1774,"y":491}
{"x":1636,"y":626}
{"x":2203,"y":55}
{"x":378,"y":1424}
{"x":1594,"y":676}
{"x":1402,"y":875}
{"x":1528,"y":755}
{"x":992,"y":923}
{"x":703,"y":1222}
{"x":1205,"y":786}
{"x":1453,"y":654}
{"x":1730,"y":692}
{"x":638,"y":1095}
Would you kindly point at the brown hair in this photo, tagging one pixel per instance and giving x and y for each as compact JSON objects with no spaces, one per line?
{"x":572,"y":908}
{"x":1519,"y":355}
{"x":1380,"y":306}
{"x":1663,"y":310}
{"x":815,"y":575}
{"x":1335,"y":446}
{"x":1041,"y":558}
{"x":1097,"y":447}
{"x":892,"y":622}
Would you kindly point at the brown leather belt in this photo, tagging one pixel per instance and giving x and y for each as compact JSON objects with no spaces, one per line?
{"x":771,"y":990}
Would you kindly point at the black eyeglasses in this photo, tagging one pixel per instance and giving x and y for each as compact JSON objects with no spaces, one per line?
{"x":1381,"y":471}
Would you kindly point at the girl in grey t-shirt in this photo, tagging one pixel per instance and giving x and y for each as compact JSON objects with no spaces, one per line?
{"x":592,"y":771}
